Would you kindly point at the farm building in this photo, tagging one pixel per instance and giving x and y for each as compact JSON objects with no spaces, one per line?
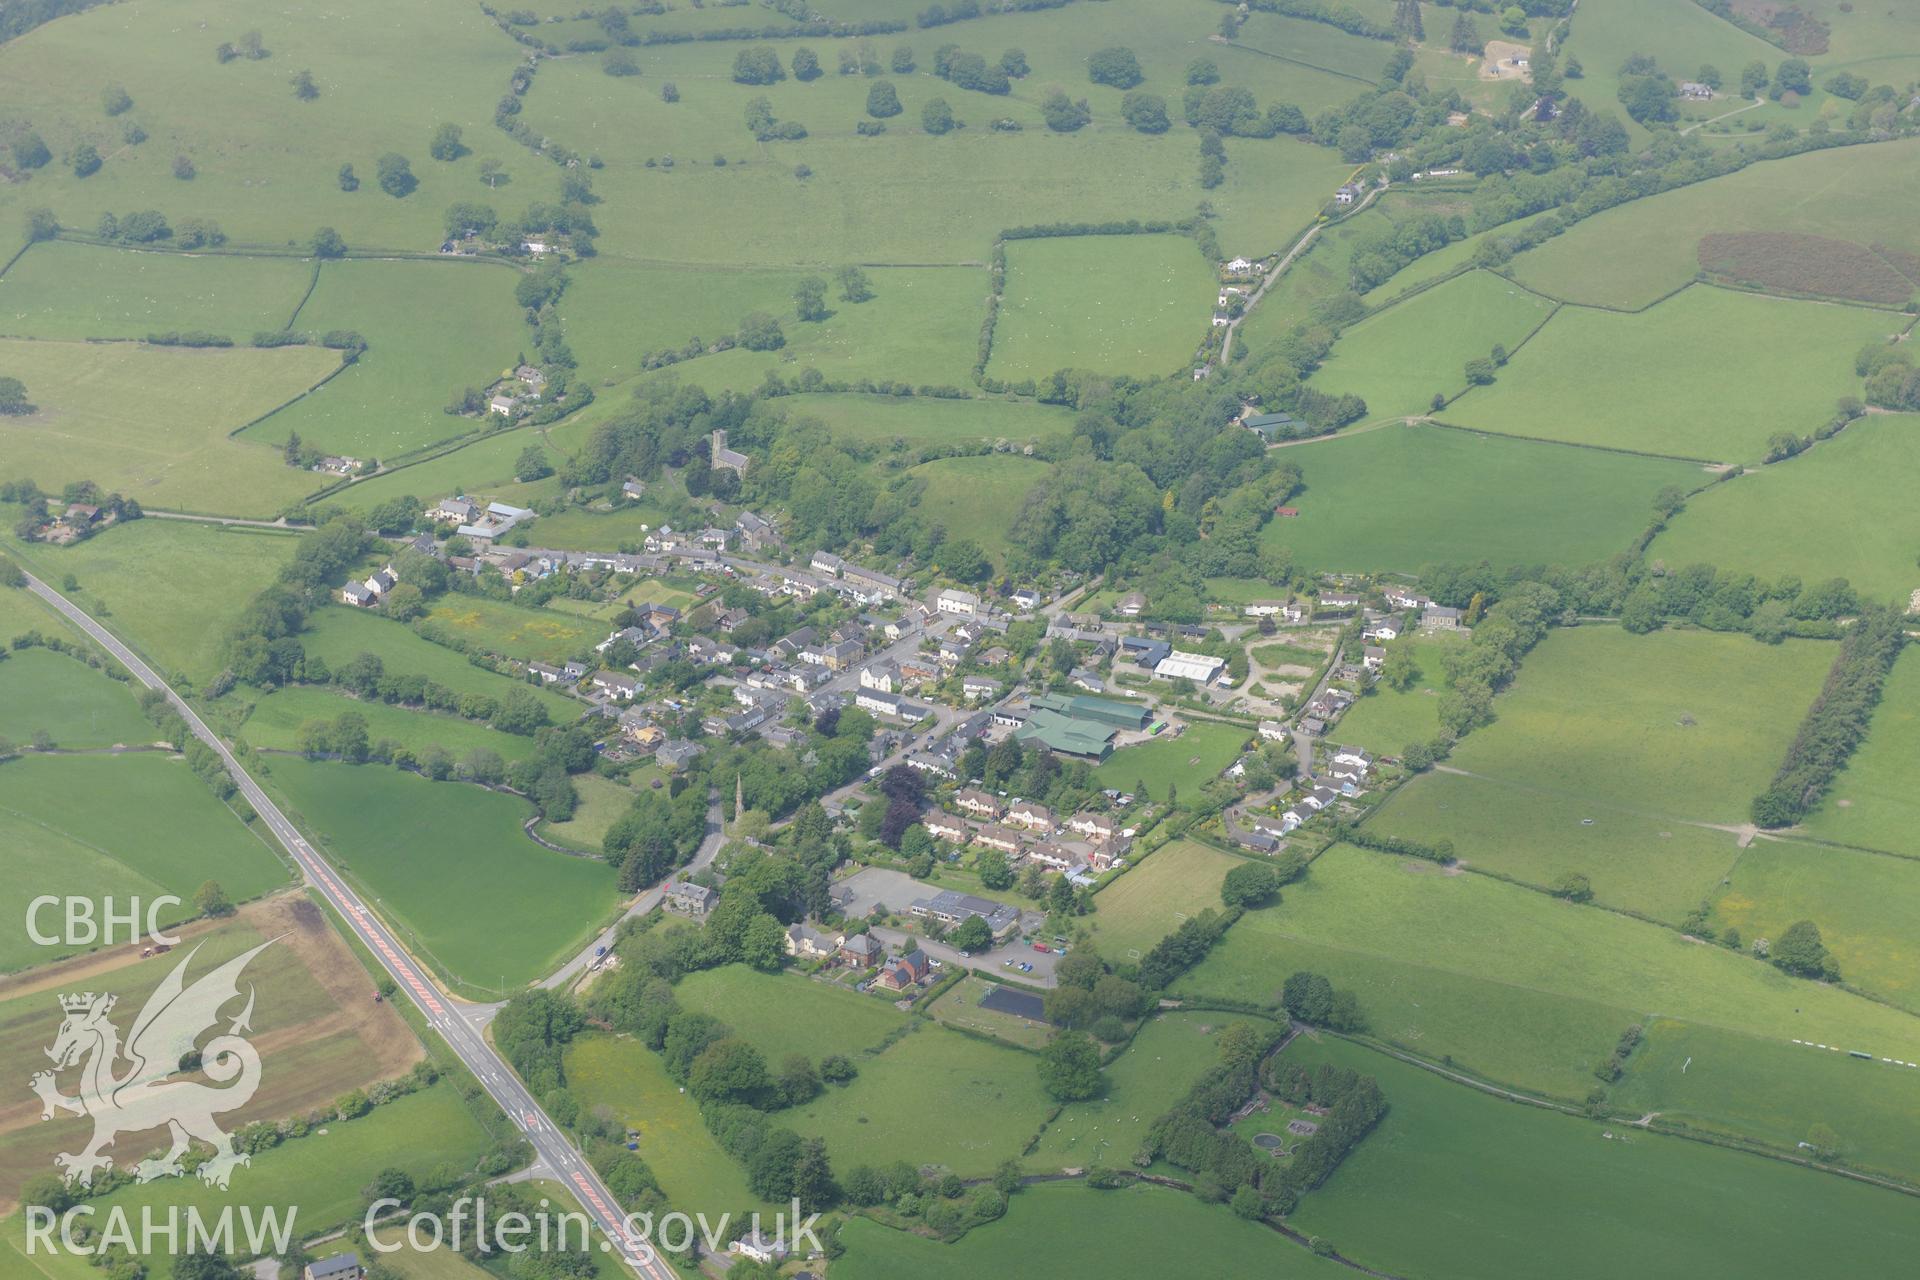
{"x":1180,"y":665}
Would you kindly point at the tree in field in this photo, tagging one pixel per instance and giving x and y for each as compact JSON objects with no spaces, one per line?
{"x":86,"y":160}
{"x":806,"y":64}
{"x":396,"y":175}
{"x":445,"y":143}
{"x":854,"y":286}
{"x":211,"y":900}
{"x":30,"y":151}
{"x":1115,"y":66}
{"x":1203,"y":71}
{"x":1070,"y":1067}
{"x":1465,"y":36}
{"x":883,"y":102}
{"x":1824,"y":1141}
{"x":902,"y":60}
{"x":1753,"y":79}
{"x":1013,"y":63}
{"x":992,"y":867}
{"x":326,"y":243}
{"x":810,"y":299}
{"x":183,"y":168}
{"x":1574,"y":887}
{"x":669,"y":92}
{"x":532,"y":464}
{"x":729,"y":1070}
{"x":963,"y":559}
{"x":348,"y":180}
{"x":1146,"y":112}
{"x":13,"y":398}
{"x":760,"y":332}
{"x":41,"y":225}
{"x":1792,"y":76}
{"x":116,"y":100}
{"x":303,"y":86}
{"x":937,"y":117}
{"x":758,"y":65}
{"x":1800,"y":950}
{"x":1063,"y":114}
{"x":1250,"y":884}
{"x":1400,"y":670}
{"x":1406,"y":20}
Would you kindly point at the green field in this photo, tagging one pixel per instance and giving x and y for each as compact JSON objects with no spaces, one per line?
{"x":624,"y":1075}
{"x":1863,"y":903}
{"x":322,"y":1174}
{"x":1510,"y":983}
{"x":60,"y":289}
{"x":1552,"y":1194}
{"x":496,"y":626}
{"x":976,"y":497}
{"x":1323,"y":272}
{"x":1066,"y":1229}
{"x":1872,"y":802}
{"x":78,"y":706}
{"x":432,"y":328}
{"x":1653,"y":866}
{"x":920,"y":327}
{"x":1386,"y":720}
{"x":1687,"y":37}
{"x":1716,"y":373}
{"x":1746,"y":1086}
{"x":1398,"y":359}
{"x":786,"y":1013}
{"x":1402,"y":498}
{"x":1146,"y":904}
{"x":340,"y":634}
{"x":1866,"y":532}
{"x":266,"y":160}
{"x":934,"y":1097}
{"x":127,"y":826}
{"x":1355,"y":59}
{"x":273,"y":724}
{"x":483,"y":470}
{"x":601,"y":802}
{"x":1195,"y":757}
{"x":1632,"y":255}
{"x":1170,"y":1052}
{"x":1132,"y":304}
{"x":754,"y":211}
{"x":209,"y":574}
{"x":923,"y":421}
{"x":1685,"y":724}
{"x":153,"y":422}
{"x":440,"y":856}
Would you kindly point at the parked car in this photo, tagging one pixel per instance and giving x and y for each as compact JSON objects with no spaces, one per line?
{"x":1041,"y":946}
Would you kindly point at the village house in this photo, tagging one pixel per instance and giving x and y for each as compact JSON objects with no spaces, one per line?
{"x":757,"y":531}
{"x":890,"y":704}
{"x":978,"y":803}
{"x":1054,"y":857}
{"x":904,"y":971}
{"x":1353,"y":756}
{"x":804,"y":942}
{"x":1264,"y":608}
{"x":341,"y":1266}
{"x":1694,"y":91}
{"x":963,"y":604}
{"x":993,"y":836}
{"x":1025,"y":598}
{"x":1131,"y":605}
{"x":677,"y":753}
{"x":1097,"y":826}
{"x":1081,"y":678}
{"x":545,"y":673}
{"x":1439,"y":617}
{"x":757,"y":1246}
{"x":1407,"y":598}
{"x":685,"y":898}
{"x":977,"y":687}
{"x":883,"y":676}
{"x":1347,"y":194}
{"x":1032,"y":816}
{"x":944,"y":826}
{"x":621,"y":685}
{"x":1274,"y":730}
{"x":1373,"y":657}
{"x":826,"y":562}
{"x":1339,"y":600}
{"x":859,"y":951}
{"x":1383,"y":629}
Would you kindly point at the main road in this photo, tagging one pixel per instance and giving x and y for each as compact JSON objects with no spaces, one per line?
{"x":555,"y":1152}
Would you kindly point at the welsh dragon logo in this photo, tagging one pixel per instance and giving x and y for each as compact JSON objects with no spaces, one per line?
{"x":145,"y":1093}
